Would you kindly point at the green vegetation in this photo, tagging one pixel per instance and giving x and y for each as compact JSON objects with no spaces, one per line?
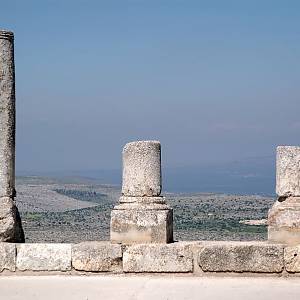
{"x":218,"y":218}
{"x":32,"y":216}
{"x":201,"y":216}
{"x":83,"y":195}
{"x":216,"y":224}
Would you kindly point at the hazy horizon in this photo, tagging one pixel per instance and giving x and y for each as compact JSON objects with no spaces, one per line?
{"x":254,"y":176}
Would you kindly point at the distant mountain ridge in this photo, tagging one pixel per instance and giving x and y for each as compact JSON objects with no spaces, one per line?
{"x":251,"y":176}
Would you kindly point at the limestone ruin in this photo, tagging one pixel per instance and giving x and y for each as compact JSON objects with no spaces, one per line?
{"x":10,"y":222}
{"x":142,"y":214}
{"x":284,"y":216}
{"x":142,"y":217}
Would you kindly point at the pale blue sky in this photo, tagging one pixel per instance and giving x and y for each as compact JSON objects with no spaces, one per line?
{"x":214,"y":81}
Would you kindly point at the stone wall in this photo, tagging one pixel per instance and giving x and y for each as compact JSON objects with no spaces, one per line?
{"x":199,"y":258}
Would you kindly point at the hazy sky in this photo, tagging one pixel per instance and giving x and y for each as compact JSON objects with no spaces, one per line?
{"x":214,"y":81}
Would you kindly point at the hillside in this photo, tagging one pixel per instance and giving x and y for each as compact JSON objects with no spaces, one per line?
{"x":77,"y":209}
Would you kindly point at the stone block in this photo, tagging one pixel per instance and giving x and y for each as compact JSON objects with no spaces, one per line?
{"x":158,"y":258}
{"x":142,"y":169}
{"x":288,"y":171}
{"x":142,"y":200}
{"x":292,"y":259}
{"x":138,"y":224}
{"x":284,"y":221}
{"x":7,"y":257}
{"x":97,"y":257}
{"x":10,"y":222}
{"x":44,"y":257}
{"x":254,"y":257}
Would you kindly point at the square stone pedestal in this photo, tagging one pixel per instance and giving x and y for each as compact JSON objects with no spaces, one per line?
{"x":137,"y":223}
{"x":284,"y":221}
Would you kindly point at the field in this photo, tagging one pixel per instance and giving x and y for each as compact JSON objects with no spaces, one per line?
{"x":77,"y":209}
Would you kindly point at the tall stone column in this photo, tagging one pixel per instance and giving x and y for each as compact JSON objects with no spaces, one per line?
{"x":284,"y":216}
{"x":142,"y":215}
{"x":10,"y":223}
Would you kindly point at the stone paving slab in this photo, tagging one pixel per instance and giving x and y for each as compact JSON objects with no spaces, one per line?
{"x":254,"y":257}
{"x":176,"y":257}
{"x":292,"y":259}
{"x":44,"y":257}
{"x":97,"y":257}
{"x":7,"y":257}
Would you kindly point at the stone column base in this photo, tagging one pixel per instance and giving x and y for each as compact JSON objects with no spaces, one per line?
{"x":136,"y":222}
{"x":284,"y":221}
{"x":10,"y":222}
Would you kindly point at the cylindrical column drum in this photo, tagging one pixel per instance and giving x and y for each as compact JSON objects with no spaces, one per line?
{"x":7,"y":115}
{"x":142,"y":169}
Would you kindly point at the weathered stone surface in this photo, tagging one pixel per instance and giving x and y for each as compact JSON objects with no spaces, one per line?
{"x":142,"y":169}
{"x":7,"y":257}
{"x":288,"y":171}
{"x":10,"y":222}
{"x":7,"y":115}
{"x":158,"y":258}
{"x":97,"y":257}
{"x":142,"y":200}
{"x":284,"y":221}
{"x":292,"y":259}
{"x":241,"y":257}
{"x":142,"y":216}
{"x":138,"y":224}
{"x":44,"y":257}
{"x":284,"y":235}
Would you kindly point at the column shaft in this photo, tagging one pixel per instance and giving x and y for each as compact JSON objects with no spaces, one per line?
{"x":7,"y":115}
{"x":10,"y":222}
